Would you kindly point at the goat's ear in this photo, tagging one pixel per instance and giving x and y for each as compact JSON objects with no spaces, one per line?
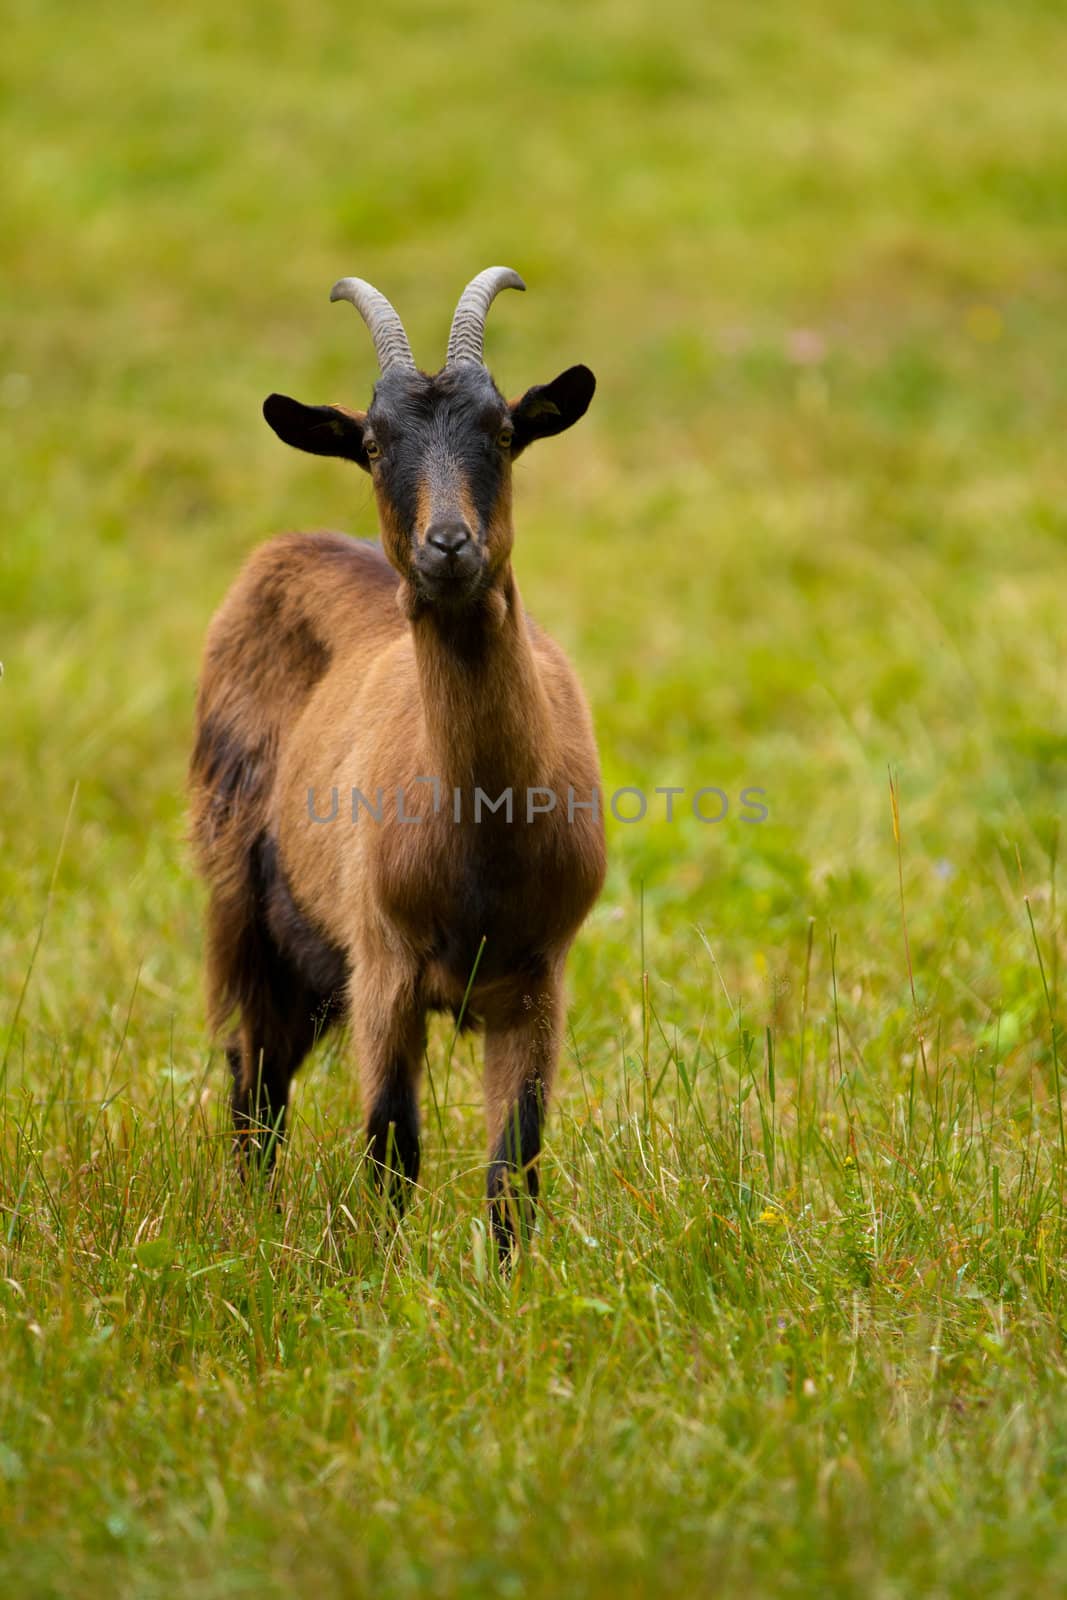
{"x":321,"y":430}
{"x":549,"y":408}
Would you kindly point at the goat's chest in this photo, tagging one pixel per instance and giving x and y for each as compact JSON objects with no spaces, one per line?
{"x":448,"y":888}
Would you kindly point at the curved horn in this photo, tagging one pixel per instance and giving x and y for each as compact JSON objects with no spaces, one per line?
{"x":386,"y":329}
{"x":468,"y":325}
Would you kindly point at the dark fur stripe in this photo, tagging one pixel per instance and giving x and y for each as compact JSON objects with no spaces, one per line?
{"x":393,"y":1127}
{"x":514,"y":1180}
{"x":319,"y":962}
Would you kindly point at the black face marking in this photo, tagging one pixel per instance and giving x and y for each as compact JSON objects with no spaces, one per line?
{"x":439,"y":442}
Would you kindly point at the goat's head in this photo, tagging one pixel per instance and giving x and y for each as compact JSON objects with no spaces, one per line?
{"x":438,"y":448}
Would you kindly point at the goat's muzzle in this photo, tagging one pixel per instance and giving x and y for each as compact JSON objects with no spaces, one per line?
{"x":449,"y":564}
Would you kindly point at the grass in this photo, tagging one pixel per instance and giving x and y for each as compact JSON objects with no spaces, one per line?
{"x":793,"y":1321}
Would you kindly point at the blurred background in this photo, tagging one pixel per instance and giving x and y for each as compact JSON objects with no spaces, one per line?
{"x":812,"y":527}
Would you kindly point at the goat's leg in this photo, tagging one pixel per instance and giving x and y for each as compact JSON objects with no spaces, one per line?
{"x":280,"y":1016}
{"x":521,"y":1047}
{"x":275,"y":1036}
{"x":390,"y":1036}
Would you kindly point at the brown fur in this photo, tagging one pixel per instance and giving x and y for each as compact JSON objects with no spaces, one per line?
{"x":327,"y":669}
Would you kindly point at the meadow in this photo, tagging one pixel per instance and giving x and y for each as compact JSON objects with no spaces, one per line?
{"x":793,"y":1319}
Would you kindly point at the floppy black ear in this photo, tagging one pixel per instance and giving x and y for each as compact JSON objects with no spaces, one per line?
{"x":549,"y":408}
{"x":321,"y":430}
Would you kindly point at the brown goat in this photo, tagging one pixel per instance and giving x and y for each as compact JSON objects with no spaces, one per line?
{"x":403,"y":691}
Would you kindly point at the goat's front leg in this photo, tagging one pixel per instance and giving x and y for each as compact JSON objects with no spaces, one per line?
{"x":390,"y":1037}
{"x":520,"y":1062}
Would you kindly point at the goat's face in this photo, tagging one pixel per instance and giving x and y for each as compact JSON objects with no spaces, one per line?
{"x":439,"y":450}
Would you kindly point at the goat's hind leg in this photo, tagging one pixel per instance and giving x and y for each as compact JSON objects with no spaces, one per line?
{"x":278,"y":1028}
{"x":284,"y":979}
{"x":281,"y":1017}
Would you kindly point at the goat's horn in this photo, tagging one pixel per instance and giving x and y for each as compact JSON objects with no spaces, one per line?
{"x":386,"y":329}
{"x":468,"y":325}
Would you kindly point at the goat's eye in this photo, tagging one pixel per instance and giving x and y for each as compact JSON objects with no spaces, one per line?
{"x":373,"y":449}
{"x":504,"y":438}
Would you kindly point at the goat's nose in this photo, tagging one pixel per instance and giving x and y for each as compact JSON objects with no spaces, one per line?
{"x":448,"y":537}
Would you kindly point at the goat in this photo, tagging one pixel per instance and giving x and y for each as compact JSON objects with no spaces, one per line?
{"x":338,"y":666}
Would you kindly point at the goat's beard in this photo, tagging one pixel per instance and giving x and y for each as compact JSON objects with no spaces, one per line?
{"x":485,"y":603}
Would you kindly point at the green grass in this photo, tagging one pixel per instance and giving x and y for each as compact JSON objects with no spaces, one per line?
{"x":794,"y":1318}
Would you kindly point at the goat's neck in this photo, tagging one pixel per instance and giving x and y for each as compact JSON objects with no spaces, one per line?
{"x":485,"y":711}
